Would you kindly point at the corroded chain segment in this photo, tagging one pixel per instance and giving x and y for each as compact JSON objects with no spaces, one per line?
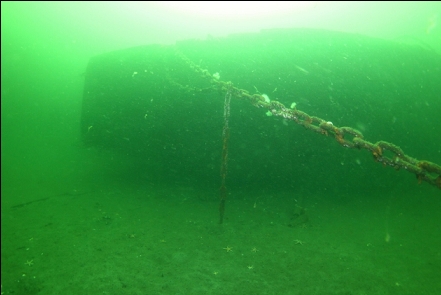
{"x":424,"y":170}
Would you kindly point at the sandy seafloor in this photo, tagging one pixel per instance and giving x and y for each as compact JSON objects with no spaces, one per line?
{"x":151,"y":239}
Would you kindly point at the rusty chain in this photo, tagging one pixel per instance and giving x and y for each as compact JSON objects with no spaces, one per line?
{"x":424,"y":170}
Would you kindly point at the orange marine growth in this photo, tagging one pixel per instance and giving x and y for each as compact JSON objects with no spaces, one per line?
{"x":377,"y":152}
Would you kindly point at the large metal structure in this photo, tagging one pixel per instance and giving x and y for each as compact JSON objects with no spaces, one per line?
{"x":153,"y":100}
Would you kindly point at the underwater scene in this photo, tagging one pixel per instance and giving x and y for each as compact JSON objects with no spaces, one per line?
{"x":280,"y":160}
